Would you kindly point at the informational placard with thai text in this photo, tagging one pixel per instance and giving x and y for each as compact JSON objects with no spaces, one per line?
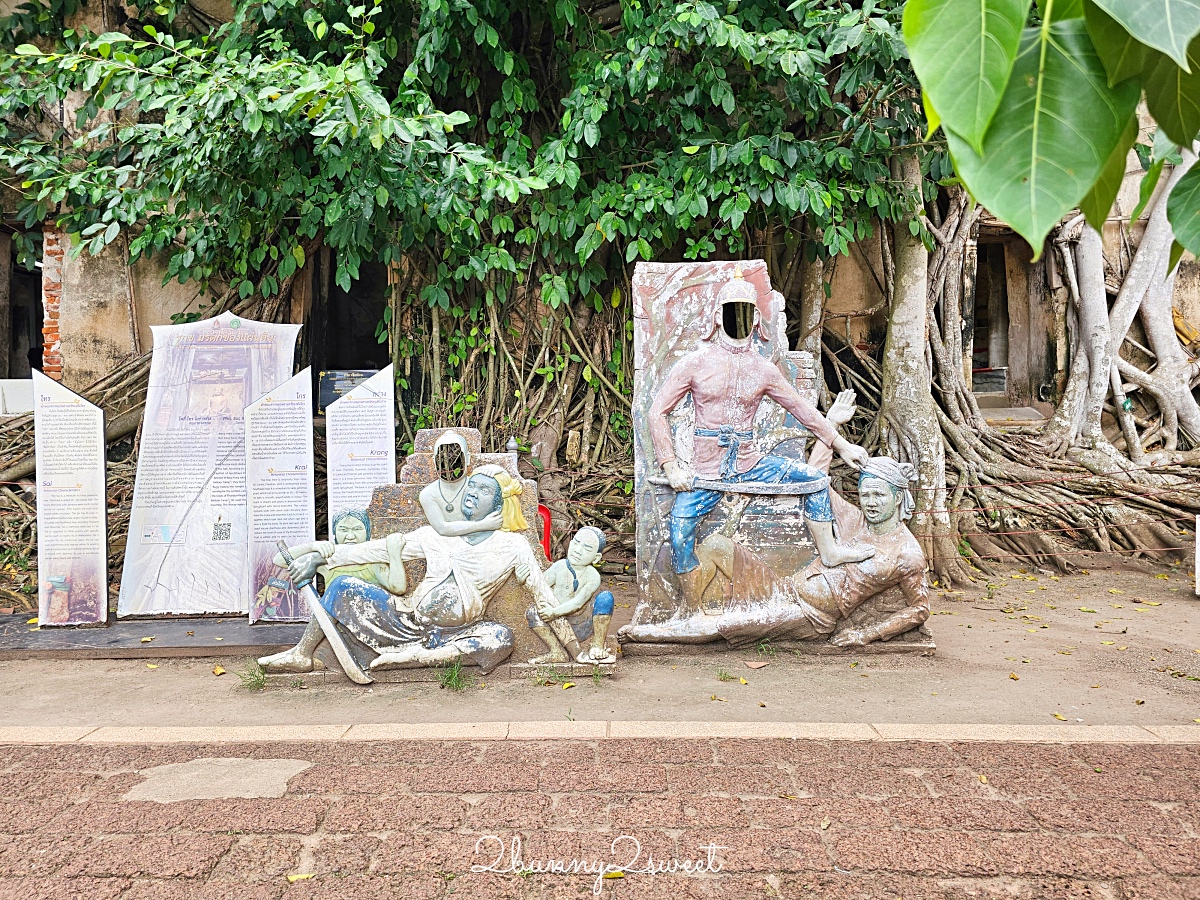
{"x":360,"y":435}
{"x":280,"y":494}
{"x":188,"y":534}
{"x":72,"y":520}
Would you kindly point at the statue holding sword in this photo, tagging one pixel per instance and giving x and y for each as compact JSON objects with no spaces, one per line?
{"x":727,"y":379}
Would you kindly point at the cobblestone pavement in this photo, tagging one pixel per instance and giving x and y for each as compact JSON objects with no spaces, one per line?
{"x":820,"y":819}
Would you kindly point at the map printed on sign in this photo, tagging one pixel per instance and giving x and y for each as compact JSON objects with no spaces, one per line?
{"x":187,"y":529}
{"x":72,"y":522}
{"x":280,"y":494}
{"x":360,"y":435}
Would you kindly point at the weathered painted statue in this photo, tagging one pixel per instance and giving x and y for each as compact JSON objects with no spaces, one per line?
{"x":808,"y":604}
{"x":580,"y":610}
{"x":440,"y":500}
{"x":727,"y":380}
{"x":442,"y":620}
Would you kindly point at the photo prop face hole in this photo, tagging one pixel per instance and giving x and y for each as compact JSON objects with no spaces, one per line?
{"x":451,"y":466}
{"x":737,"y":319}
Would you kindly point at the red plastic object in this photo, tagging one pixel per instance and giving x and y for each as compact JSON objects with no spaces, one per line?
{"x":544,"y":515}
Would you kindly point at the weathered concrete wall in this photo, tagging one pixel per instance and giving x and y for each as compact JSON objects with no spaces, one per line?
{"x":156,"y":302}
{"x":95,"y":326}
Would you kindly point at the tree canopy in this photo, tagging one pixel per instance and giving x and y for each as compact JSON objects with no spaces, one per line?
{"x":495,"y":141}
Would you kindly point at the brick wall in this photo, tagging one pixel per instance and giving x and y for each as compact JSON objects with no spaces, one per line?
{"x":53,"y":248}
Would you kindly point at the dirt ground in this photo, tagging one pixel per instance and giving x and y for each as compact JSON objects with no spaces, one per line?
{"x":1112,"y":647}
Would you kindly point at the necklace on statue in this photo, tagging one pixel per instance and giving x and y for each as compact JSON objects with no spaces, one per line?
{"x":450,"y":503}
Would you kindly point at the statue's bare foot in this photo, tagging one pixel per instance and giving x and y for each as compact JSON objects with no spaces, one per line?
{"x":594,"y":657}
{"x":293,"y":661}
{"x":847,"y":553}
{"x":554,"y":656}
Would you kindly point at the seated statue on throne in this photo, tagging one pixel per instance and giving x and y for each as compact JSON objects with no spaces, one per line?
{"x":442,"y":620}
{"x":761,"y":604}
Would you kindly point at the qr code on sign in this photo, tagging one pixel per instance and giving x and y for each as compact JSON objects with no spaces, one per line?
{"x":222,"y":531}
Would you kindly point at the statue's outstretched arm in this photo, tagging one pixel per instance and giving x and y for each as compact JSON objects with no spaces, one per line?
{"x":913,"y":615}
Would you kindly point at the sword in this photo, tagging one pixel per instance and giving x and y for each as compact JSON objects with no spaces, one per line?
{"x":752,"y":487}
{"x":340,"y":650}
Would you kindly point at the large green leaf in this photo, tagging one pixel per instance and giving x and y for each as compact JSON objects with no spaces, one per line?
{"x":963,"y":53}
{"x":1173,"y":95}
{"x":1166,"y":25}
{"x":1097,"y":203}
{"x":1062,"y":9}
{"x":1183,"y":211}
{"x":1124,"y":56}
{"x":1057,"y":126}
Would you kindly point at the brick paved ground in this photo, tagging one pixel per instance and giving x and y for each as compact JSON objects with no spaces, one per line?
{"x":796,"y":819}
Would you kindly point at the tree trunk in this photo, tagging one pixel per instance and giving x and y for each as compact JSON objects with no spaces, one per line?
{"x":812,"y":315}
{"x":909,"y":426}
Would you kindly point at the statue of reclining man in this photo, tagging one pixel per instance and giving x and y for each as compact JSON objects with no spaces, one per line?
{"x":442,"y":620}
{"x":808,"y":604}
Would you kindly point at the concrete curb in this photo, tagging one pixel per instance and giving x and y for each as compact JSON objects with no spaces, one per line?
{"x":604,"y":730}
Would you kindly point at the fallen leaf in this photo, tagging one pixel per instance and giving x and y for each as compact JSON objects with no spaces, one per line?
{"x":1086,"y":609}
{"x":568,"y":684}
{"x":1095,"y":685}
{"x":787,"y":797}
{"x":825,"y":823}
{"x":292,"y":879}
{"x":759,"y":665}
{"x":1115,"y":591}
{"x":1152,"y":603}
{"x":32,"y":621}
{"x":1108,"y":643}
{"x":1122,"y":648}
{"x":983,"y":779}
{"x":1014,"y":676}
{"x":743,"y":681}
{"x":151,"y":666}
{"x":191,"y":633}
{"x":1196,"y":720}
{"x":147,"y":640}
{"x":218,"y":639}
{"x":1139,"y":702}
{"x":614,"y":874}
{"x":718,"y":699}
{"x":1163,"y":577}
{"x":760,"y":703}
{"x":218,"y":670}
{"x":1060,"y":717}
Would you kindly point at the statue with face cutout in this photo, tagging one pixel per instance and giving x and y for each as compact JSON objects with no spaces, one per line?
{"x":442,"y":620}
{"x":581,"y":610}
{"x":727,"y":380}
{"x":809,"y":604}
{"x":441,"y":499}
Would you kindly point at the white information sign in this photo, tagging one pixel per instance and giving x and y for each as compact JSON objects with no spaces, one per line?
{"x":187,"y":531}
{"x":360,"y":436}
{"x":280,"y":494}
{"x":72,"y":512}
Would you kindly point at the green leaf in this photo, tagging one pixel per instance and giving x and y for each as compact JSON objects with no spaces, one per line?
{"x":298,"y":256}
{"x":1146,"y":189}
{"x":1166,"y":25}
{"x":1177,"y":251}
{"x":1056,"y":128}
{"x":691,"y":151}
{"x":1183,"y":211}
{"x":963,"y":53}
{"x":1123,"y":55}
{"x":28,"y":50}
{"x":1062,"y":9}
{"x":111,"y":232}
{"x":931,"y":115}
{"x":1097,"y":203}
{"x":1173,"y":95}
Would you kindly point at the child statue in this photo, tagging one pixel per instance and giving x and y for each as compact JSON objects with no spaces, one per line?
{"x":580,"y":612}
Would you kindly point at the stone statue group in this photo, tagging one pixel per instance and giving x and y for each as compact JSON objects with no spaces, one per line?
{"x":476,"y":538}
